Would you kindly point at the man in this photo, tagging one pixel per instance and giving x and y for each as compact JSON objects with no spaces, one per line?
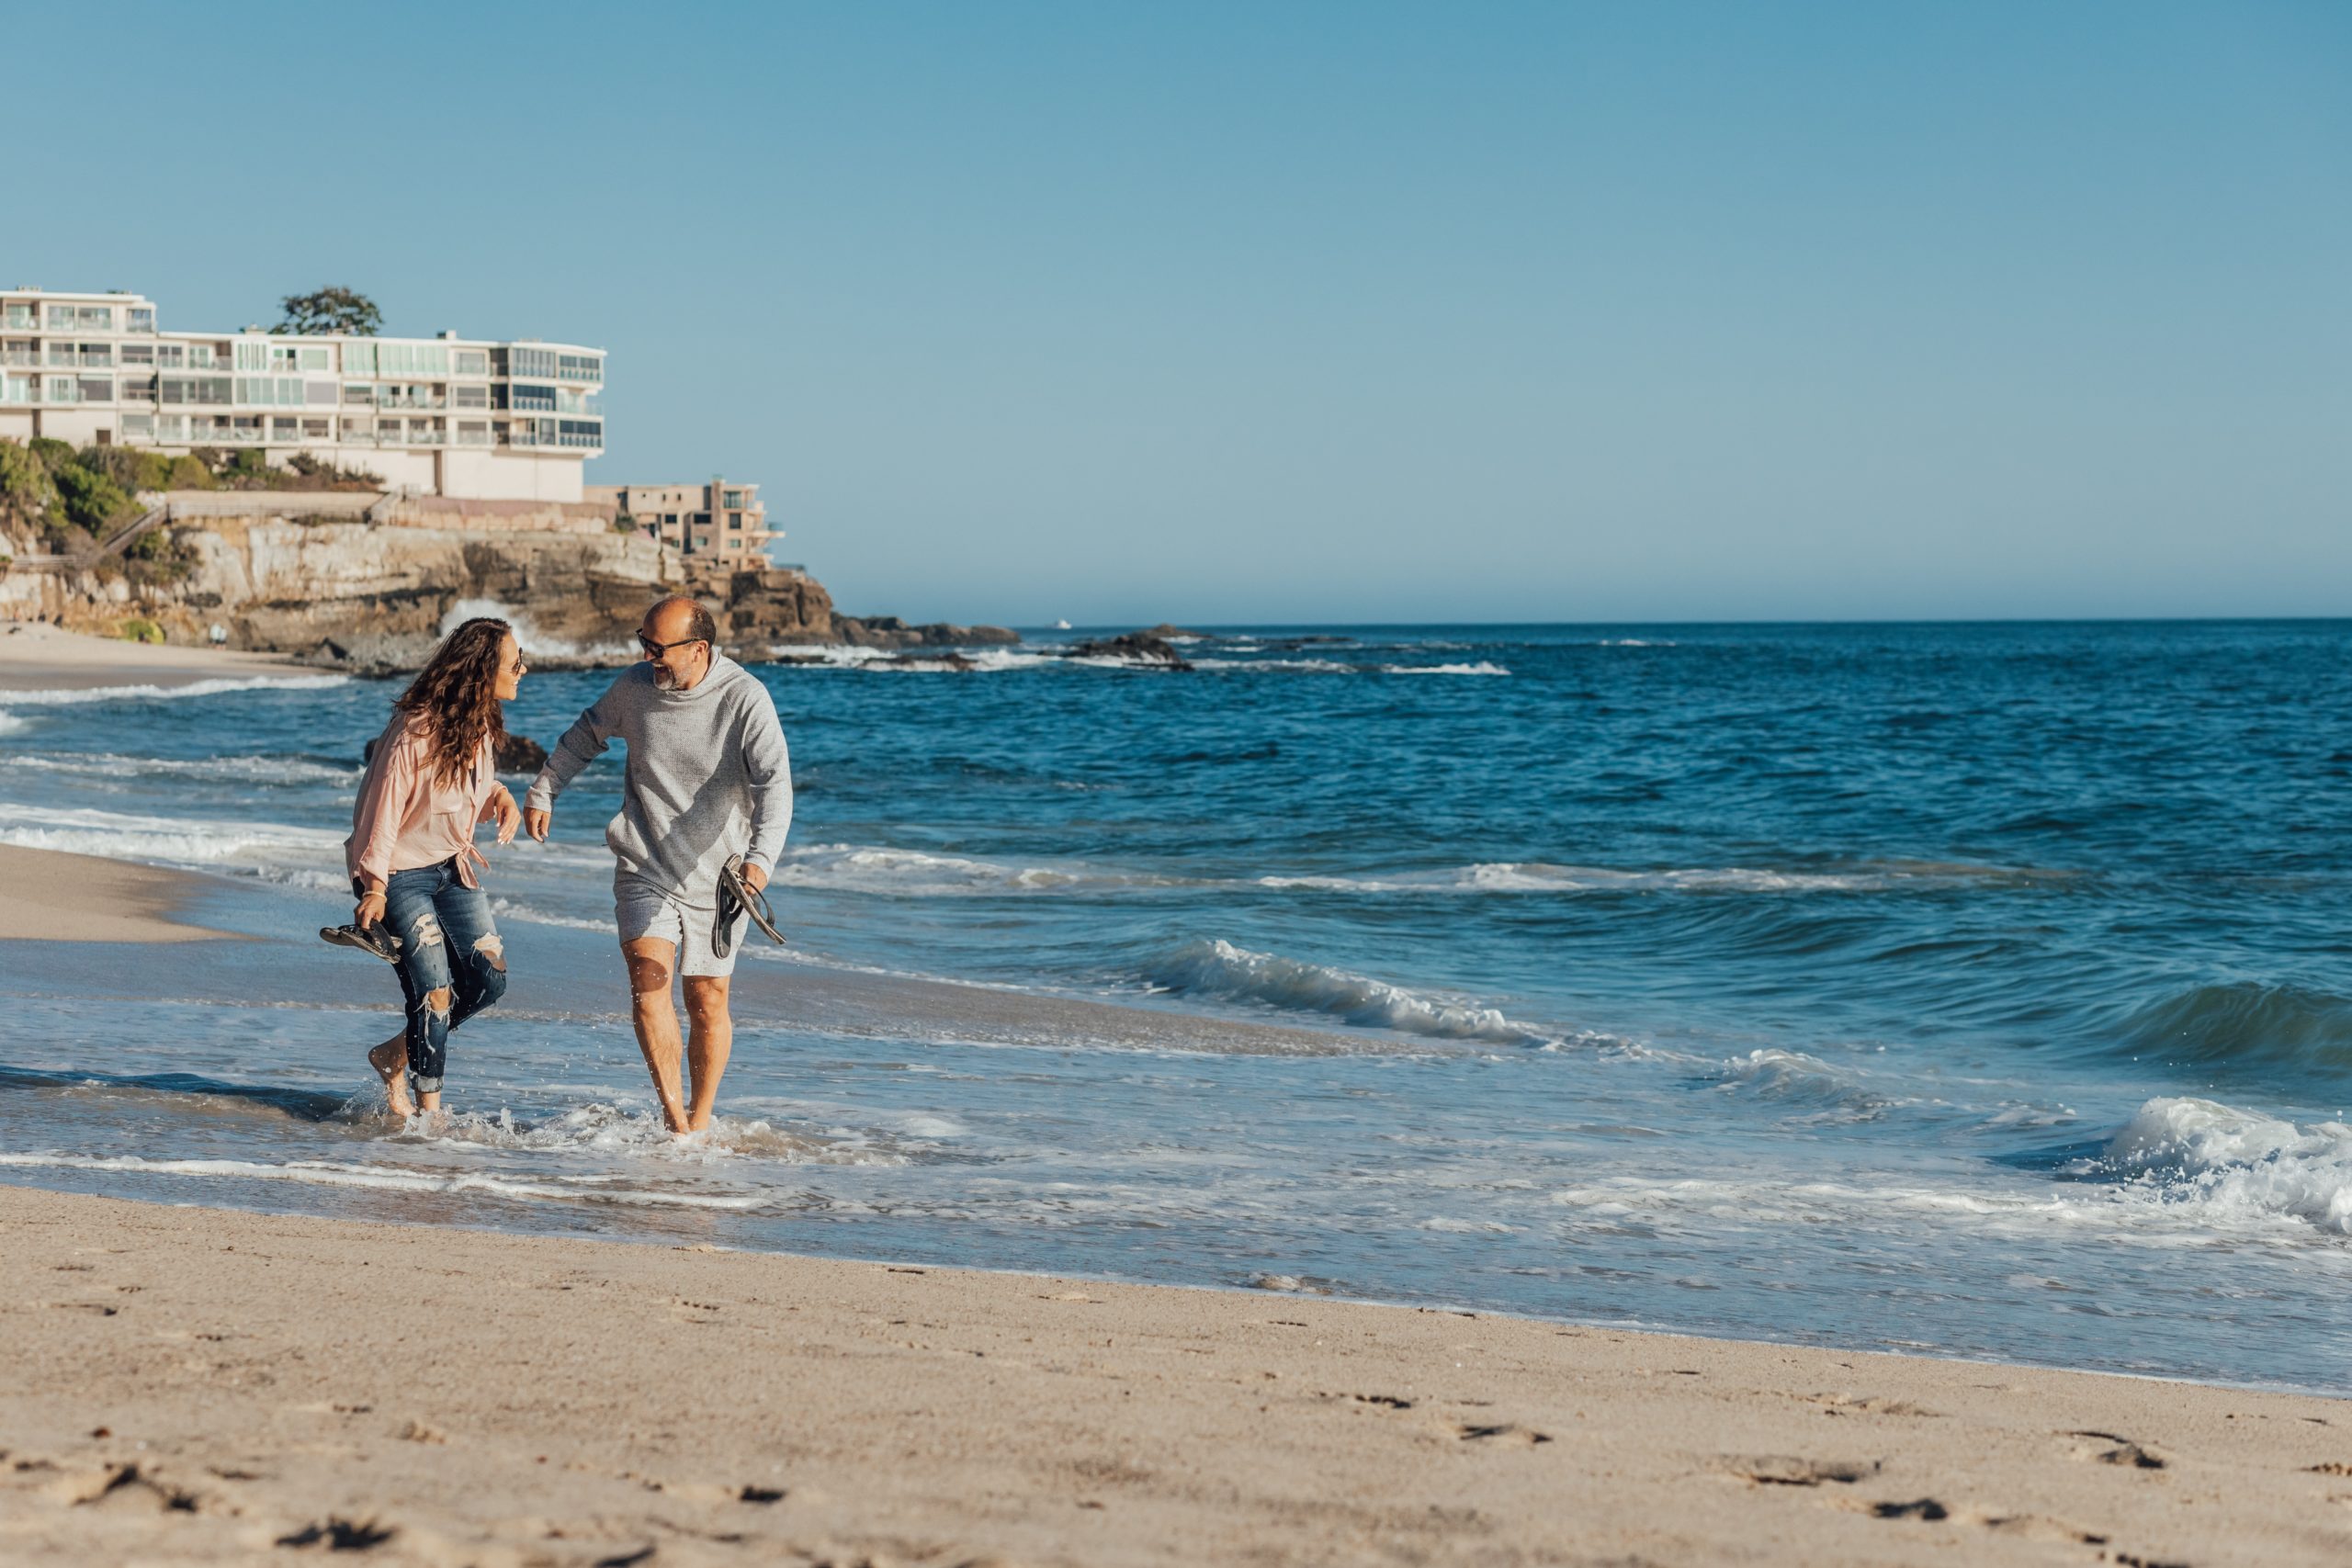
{"x":708,"y":780}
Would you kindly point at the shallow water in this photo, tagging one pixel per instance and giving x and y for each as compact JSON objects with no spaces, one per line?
{"x":1976,"y":990}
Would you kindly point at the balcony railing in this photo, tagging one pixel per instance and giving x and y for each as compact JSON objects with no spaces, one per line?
{"x":21,"y":357}
{"x":23,"y":317}
{"x":399,"y":401}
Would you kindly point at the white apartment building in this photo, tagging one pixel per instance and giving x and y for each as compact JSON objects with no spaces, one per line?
{"x":441,"y":416}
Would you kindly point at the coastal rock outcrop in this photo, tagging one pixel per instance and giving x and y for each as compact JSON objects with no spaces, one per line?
{"x":367,"y":584}
{"x":890,"y":631}
{"x":1132,"y":648}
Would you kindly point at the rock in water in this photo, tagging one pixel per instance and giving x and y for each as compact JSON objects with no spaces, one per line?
{"x":1133,"y":648}
{"x":520,"y":754}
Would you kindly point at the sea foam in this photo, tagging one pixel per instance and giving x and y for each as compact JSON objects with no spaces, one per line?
{"x":2236,"y":1165}
{"x":1218,"y":968}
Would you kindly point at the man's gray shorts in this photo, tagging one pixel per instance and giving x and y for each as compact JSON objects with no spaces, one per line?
{"x":646,"y":909}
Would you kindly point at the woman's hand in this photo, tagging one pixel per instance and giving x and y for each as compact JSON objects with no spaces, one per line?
{"x":369,"y":910}
{"x":507,"y":814}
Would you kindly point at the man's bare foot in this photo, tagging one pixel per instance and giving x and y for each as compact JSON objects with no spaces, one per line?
{"x":390,"y":1061}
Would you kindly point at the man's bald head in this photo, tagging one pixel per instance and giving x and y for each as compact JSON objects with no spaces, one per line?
{"x":679,"y":618}
{"x":680,"y":641}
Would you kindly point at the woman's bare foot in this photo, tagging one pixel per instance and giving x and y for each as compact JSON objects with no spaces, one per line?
{"x":390,"y":1061}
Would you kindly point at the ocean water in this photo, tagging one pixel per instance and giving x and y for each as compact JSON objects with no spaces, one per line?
{"x":1968,"y":989}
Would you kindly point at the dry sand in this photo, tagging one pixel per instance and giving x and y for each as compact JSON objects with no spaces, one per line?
{"x":48,"y":896}
{"x":36,"y":657}
{"x":187,"y":1384}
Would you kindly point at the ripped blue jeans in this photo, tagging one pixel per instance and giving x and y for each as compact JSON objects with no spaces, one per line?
{"x":450,"y":954}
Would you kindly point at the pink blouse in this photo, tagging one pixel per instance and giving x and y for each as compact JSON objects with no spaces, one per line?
{"x":406,"y":817}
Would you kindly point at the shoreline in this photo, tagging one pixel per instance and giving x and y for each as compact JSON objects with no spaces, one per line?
{"x":204,"y":1383}
{"x":38,"y":657}
{"x":54,"y":895}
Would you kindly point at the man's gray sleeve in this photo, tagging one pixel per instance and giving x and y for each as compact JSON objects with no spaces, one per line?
{"x":581,"y":745}
{"x":767,"y":764}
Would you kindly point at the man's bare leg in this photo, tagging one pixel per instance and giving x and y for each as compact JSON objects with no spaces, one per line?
{"x":390,"y":1061}
{"x":712,"y":1039}
{"x":651,"y":961}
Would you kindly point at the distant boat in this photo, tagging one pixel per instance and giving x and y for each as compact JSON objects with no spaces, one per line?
{"x":1061,"y":626}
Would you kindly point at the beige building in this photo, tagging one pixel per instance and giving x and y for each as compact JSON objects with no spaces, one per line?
{"x":722,"y":521}
{"x":513,"y":421}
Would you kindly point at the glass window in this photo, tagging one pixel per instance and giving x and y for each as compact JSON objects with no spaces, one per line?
{"x":284,"y":429}
{"x":472,"y":362}
{"x":319,"y":394}
{"x":171,"y":427}
{"x":139,"y":354}
{"x":734,"y":497}
{"x":464,"y":397}
{"x":96,"y":356}
{"x":202,"y":355}
{"x":317,"y":429}
{"x":99,"y":317}
{"x":531,"y":362}
{"x":60,"y":353}
{"x":580,"y":368}
{"x":358,"y":394}
{"x":139,"y":389}
{"x":18,"y":389}
{"x":139,"y":427}
{"x":529,"y":396}
{"x":314,"y":358}
{"x":734,"y":520}
{"x":359,"y":359}
{"x":96,"y":389}
{"x":61,"y":316}
{"x":171,"y":355}
{"x":23,"y":315}
{"x":139,"y":318}
{"x":253,"y":354}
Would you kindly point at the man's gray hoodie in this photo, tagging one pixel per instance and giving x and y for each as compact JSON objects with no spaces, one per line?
{"x":707,"y":776}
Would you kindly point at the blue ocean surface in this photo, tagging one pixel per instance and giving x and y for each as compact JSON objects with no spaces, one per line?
{"x":1977,"y":990}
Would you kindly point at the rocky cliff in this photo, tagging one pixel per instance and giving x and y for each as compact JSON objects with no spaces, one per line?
{"x":371,"y":587}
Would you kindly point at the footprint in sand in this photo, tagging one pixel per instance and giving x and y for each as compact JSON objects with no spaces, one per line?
{"x":1785,"y":1470}
{"x":1501,"y":1436}
{"x":2109,"y":1447}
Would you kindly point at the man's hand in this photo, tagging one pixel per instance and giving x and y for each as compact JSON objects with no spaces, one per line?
{"x":369,"y":911}
{"x":507,"y":814}
{"x":535,"y":822}
{"x":756,"y":877}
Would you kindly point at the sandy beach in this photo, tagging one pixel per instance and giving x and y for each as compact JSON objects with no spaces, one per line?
{"x":36,"y":657}
{"x":48,"y":896}
{"x":187,"y":1384}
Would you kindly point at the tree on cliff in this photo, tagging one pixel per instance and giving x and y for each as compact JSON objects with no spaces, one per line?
{"x":331,"y":311}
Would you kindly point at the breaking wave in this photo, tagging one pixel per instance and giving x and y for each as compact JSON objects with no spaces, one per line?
{"x":1218,"y":968}
{"x":2234,"y":1165}
{"x":193,"y":688}
{"x":123,"y":836}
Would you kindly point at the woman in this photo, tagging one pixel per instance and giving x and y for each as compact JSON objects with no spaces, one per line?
{"x":410,"y":854}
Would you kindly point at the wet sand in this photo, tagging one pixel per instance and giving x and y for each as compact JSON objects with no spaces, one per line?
{"x":48,"y":896}
{"x":36,"y":657}
{"x":183,"y":1384}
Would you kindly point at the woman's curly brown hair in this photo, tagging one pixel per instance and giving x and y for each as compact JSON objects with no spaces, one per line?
{"x":457,"y":695}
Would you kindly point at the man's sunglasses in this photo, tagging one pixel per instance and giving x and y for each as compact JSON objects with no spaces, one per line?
{"x":656,"y":649}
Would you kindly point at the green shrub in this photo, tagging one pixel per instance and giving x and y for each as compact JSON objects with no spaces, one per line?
{"x":26,"y":488}
{"x":91,"y":501}
{"x":188,"y":472}
{"x":53,"y":454}
{"x":138,"y":628}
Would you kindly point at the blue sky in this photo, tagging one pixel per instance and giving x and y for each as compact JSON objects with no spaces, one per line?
{"x":1327,"y":312}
